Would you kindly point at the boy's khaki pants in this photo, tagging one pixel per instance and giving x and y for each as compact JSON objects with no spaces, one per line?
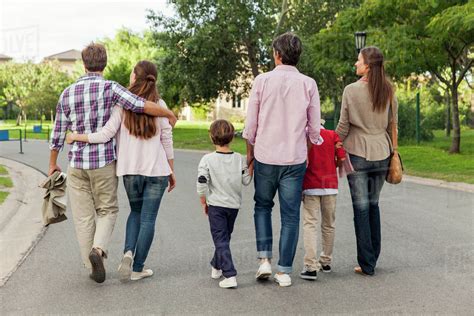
{"x":316,"y":207}
{"x":93,"y":199}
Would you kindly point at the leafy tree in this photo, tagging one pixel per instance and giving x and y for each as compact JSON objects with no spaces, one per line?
{"x":416,"y":36}
{"x":125,"y":50}
{"x":421,"y":36}
{"x":220,"y":46}
{"x":213,"y":46}
{"x":50,"y":84}
{"x":32,"y":87}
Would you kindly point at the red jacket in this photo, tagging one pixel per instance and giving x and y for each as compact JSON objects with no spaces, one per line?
{"x":321,"y":172}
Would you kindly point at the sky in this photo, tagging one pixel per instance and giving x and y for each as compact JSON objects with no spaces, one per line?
{"x":35,"y":29}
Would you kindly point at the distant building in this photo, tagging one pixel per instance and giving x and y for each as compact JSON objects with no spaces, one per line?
{"x":231,"y":107}
{"x":66,"y":59}
{"x":5,"y":58}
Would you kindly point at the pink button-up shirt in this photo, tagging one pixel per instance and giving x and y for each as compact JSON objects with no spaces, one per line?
{"x":283,"y":110}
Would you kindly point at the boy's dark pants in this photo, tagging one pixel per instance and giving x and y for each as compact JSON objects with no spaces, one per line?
{"x":221,"y":220}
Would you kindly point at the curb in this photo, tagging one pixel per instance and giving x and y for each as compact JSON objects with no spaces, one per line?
{"x":458,"y":186}
{"x":21,"y":225}
{"x":197,"y":151}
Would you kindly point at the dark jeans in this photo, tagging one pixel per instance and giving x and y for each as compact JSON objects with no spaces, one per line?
{"x":221,"y":220}
{"x":365,"y":185}
{"x":144,"y":195}
{"x":288,"y":180}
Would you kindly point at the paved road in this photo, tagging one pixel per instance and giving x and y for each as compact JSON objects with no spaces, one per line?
{"x":426,"y":265}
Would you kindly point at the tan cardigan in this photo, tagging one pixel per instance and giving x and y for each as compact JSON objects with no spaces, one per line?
{"x":365,"y":133}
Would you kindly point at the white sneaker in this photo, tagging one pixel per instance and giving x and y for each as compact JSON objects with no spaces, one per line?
{"x":228,"y":283}
{"x":282,"y":279}
{"x":215,"y":274}
{"x":125,"y":267}
{"x":264,"y":270}
{"x":140,"y":275}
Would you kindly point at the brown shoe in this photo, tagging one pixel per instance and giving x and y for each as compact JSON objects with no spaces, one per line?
{"x":97,"y":262}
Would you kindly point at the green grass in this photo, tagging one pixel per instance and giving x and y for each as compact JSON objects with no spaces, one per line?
{"x":195,"y":135}
{"x":6,"y":182}
{"x":3,"y":170}
{"x":3,"y":196}
{"x":432,"y":159}
{"x":15,"y":130}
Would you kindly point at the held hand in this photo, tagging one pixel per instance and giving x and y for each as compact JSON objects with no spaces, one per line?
{"x":172,"y":182}
{"x":53,"y":168}
{"x":340,"y":162}
{"x":338,"y":145}
{"x":251,"y":166}
{"x":70,"y":137}
{"x":172,"y":118}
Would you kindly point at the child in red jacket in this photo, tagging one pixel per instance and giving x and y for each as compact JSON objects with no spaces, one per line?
{"x":319,"y":201}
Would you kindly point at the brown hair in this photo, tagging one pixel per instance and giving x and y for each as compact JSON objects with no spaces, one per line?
{"x":94,"y":57}
{"x":222,"y":132}
{"x":288,"y":46}
{"x":380,"y":88}
{"x":138,"y":124}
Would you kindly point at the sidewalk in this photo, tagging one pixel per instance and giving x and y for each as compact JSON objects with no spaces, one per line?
{"x":21,"y":225}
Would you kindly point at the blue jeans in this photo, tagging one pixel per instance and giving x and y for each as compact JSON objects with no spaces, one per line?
{"x":365,"y":185}
{"x":288,"y":180}
{"x":144,"y":195}
{"x":221,"y":220}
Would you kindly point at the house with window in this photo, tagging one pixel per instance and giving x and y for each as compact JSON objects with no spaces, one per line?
{"x":231,"y":107}
{"x":67,"y":59}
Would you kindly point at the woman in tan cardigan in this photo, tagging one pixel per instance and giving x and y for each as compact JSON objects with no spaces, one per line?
{"x":364,"y":127}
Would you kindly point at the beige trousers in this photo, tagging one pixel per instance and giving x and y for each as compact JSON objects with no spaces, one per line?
{"x":317,"y":207}
{"x":93,"y":198}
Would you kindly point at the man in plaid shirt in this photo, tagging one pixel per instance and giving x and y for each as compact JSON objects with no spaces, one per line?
{"x":85,"y":107}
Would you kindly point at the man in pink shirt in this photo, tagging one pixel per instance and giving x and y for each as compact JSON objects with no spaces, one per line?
{"x":283,"y":112}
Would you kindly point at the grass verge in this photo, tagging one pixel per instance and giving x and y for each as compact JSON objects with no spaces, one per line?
{"x":3,"y":196}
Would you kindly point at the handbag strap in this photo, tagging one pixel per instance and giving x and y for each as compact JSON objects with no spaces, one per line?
{"x":394,"y":128}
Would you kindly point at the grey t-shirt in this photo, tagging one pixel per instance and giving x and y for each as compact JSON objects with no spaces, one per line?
{"x":220,"y":179}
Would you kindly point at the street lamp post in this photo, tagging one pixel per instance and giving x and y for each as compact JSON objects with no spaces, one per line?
{"x":360,"y":38}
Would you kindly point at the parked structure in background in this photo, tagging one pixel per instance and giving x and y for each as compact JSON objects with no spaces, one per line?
{"x":5,"y":58}
{"x":66,"y":59}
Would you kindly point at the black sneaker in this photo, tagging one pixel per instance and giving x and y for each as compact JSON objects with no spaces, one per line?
{"x":326,"y":269}
{"x":308,"y":275}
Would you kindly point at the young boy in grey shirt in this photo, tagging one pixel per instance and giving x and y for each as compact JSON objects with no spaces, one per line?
{"x":221,"y":175}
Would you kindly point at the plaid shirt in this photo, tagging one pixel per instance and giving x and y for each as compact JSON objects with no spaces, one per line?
{"x":85,"y":107}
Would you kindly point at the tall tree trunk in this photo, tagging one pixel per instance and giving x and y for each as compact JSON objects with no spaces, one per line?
{"x":456,"y":142}
{"x":252,"y":55}
{"x":448,"y":115}
{"x":284,"y":11}
{"x":19,"y":117}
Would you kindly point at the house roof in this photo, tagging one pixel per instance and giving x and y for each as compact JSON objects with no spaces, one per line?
{"x":5,"y":57}
{"x":71,"y":54}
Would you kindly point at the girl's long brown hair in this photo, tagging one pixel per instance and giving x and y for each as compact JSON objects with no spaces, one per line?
{"x":380,"y":88}
{"x":142,"y":125}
